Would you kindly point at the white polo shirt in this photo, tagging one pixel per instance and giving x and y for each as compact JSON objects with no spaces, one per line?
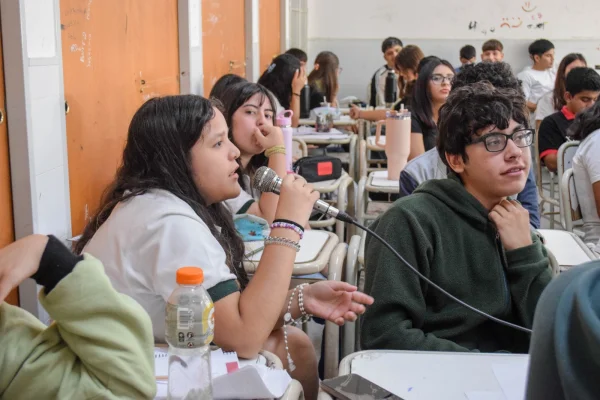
{"x":143,"y":243}
{"x":586,"y":172}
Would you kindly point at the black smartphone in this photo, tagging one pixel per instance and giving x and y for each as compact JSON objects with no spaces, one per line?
{"x":355,"y":387}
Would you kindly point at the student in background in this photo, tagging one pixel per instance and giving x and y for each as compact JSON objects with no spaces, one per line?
{"x":586,"y":171}
{"x":300,"y":55}
{"x":464,"y":234}
{"x":492,"y":51}
{"x":582,"y":89}
{"x":224,"y":83}
{"x":285,"y":79}
{"x":429,"y":165}
{"x":538,"y":79}
{"x":431,"y":90}
{"x":554,"y":101}
{"x":467,"y":56}
{"x":100,"y":344}
{"x":164,"y":210}
{"x":390,"y":49}
{"x":323,"y":79}
{"x":250,"y":116}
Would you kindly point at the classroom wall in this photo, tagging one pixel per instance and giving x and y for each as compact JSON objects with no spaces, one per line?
{"x":441,"y":29}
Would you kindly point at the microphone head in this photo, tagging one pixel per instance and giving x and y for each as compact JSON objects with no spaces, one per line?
{"x":265,"y":180}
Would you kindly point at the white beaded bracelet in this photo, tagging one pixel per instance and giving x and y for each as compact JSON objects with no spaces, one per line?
{"x":287,"y":319}
{"x":305,"y":317}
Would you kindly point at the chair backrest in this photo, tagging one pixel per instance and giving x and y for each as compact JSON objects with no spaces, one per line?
{"x":362,"y":159}
{"x":569,"y":204}
{"x":299,"y":148}
{"x":566,"y":152}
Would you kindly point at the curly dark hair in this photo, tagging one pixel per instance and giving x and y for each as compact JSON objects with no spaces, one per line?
{"x":586,"y":122}
{"x":473,"y":107}
{"x":499,"y":74}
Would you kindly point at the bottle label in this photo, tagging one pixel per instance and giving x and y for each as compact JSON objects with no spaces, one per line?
{"x":188,"y":328}
{"x":185,"y":318}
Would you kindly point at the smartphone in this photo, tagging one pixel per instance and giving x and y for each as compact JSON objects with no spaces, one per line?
{"x":355,"y":387}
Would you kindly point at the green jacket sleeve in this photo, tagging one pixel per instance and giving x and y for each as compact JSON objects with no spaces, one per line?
{"x":528,"y":274}
{"x":395,"y":319}
{"x":99,"y":346}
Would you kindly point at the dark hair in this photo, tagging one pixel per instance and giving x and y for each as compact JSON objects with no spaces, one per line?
{"x":278,"y":77}
{"x":223,"y":83}
{"x":586,"y":122}
{"x":425,"y":60}
{"x":232,"y":100}
{"x":390,"y":42}
{"x":473,"y":107}
{"x":157,"y":156}
{"x":324,"y":77}
{"x":499,"y":74}
{"x":467,"y":52}
{"x":409,"y":58}
{"x":581,"y":79}
{"x":539,"y":47}
{"x":559,"y":84}
{"x":492,"y":45}
{"x":298,"y":53}
{"x":421,"y":99}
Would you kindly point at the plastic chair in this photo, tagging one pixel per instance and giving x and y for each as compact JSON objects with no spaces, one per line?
{"x":346,"y":200}
{"x":351,"y":275}
{"x":551,"y":201}
{"x":566,"y":152}
{"x":569,"y":204}
{"x":299,"y":148}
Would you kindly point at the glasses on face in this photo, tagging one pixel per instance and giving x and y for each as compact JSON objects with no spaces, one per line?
{"x":438,"y":79}
{"x":496,"y":141}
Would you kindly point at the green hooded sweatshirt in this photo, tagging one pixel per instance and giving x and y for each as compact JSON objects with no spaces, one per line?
{"x":444,"y":232}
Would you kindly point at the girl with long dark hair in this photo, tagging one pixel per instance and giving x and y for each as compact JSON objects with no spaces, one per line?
{"x":164,"y":211}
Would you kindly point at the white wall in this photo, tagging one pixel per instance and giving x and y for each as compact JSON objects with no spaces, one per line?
{"x":354,"y":29}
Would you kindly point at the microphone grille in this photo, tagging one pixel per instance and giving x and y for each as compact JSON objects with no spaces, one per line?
{"x":265,"y":180}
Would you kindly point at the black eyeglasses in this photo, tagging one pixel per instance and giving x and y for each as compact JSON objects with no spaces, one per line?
{"x":438,"y":79}
{"x":496,"y":141}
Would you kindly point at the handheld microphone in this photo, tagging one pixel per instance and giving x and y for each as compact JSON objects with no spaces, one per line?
{"x":266,"y":181}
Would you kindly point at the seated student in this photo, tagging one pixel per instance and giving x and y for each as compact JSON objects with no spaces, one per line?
{"x":492,"y":51}
{"x":430,"y":166}
{"x":554,"y":101}
{"x":285,"y":78}
{"x":300,"y":55}
{"x":223,"y":83}
{"x":464,"y":235}
{"x":586,"y":171}
{"x":582,"y":89}
{"x":390,"y":48}
{"x":566,"y":340}
{"x":100,"y":345}
{"x":250,"y":116}
{"x":323,"y":79}
{"x":431,"y":90}
{"x":164,"y":211}
{"x":467,"y":56}
{"x":538,"y":79}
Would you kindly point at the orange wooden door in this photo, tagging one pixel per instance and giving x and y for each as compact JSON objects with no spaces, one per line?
{"x":7,"y":233}
{"x":223,"y":40}
{"x":269,"y":27}
{"x":116,"y":55}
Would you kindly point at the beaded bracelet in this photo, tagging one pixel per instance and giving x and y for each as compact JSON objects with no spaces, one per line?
{"x":287,"y":319}
{"x":286,"y":225}
{"x":275,"y":150}
{"x":283,"y":242}
{"x":287,"y":221}
{"x":305,"y":317}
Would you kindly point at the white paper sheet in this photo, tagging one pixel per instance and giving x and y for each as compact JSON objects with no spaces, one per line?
{"x":512,"y":379}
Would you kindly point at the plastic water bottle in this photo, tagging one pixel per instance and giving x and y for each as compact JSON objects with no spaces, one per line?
{"x":189,"y":332}
{"x":284,"y":121}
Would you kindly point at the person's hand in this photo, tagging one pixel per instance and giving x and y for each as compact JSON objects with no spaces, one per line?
{"x":268,"y":136}
{"x":299,"y":81}
{"x":512,"y":221}
{"x":20,"y":260}
{"x":335,"y":301}
{"x":296,"y":200}
{"x":354,"y":112}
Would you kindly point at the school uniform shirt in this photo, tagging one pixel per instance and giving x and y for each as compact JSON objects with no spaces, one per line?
{"x":586,"y":172}
{"x":241,"y":203}
{"x":553,"y":131}
{"x":429,"y":134}
{"x":545,"y":107}
{"x":377,"y":87}
{"x":146,"y":240}
{"x":535,"y":84}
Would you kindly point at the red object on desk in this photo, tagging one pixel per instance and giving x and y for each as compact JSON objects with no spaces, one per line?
{"x":232,"y":366}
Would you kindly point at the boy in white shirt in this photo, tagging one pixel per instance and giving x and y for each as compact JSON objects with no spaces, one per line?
{"x":538,"y":79}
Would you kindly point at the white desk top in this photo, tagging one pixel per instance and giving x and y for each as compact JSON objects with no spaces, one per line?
{"x":568,"y":249}
{"x":344,"y":120}
{"x":436,"y":375}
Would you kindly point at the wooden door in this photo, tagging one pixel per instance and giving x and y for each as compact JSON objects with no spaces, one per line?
{"x":269,"y":26}
{"x":7,"y":232}
{"x":223,"y":40}
{"x":116,"y":55}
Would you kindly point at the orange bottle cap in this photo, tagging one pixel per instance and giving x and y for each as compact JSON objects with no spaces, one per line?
{"x":190,"y":276}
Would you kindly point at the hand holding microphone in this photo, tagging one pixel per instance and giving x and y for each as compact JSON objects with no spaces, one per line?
{"x":296,"y":198}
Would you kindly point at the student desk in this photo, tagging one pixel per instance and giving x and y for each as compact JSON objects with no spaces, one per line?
{"x":568,"y":249}
{"x":434,"y":375}
{"x":372,"y":145}
{"x":375,"y":182}
{"x":344,"y":120}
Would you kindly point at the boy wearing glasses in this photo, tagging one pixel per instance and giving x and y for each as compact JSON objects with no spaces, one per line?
{"x":464,"y":235}
{"x":582,"y":87}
